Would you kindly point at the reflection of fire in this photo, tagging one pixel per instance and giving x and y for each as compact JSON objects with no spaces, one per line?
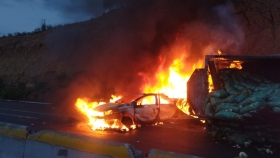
{"x":171,"y":82}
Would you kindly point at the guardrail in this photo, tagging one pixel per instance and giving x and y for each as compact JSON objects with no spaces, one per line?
{"x":22,"y":141}
{"x":74,"y":145}
{"x":12,"y":138}
{"x":155,"y":153}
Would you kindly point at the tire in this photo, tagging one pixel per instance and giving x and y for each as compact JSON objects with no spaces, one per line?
{"x":127,"y":121}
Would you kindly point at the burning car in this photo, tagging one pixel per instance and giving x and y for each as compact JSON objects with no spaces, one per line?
{"x":128,"y":112}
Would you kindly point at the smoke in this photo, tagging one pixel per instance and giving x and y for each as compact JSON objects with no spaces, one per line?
{"x":76,"y":10}
{"x":117,"y":52}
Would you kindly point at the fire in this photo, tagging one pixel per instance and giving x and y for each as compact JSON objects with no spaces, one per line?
{"x":114,"y":98}
{"x":171,"y":82}
{"x":236,"y":64}
{"x":210,"y":83}
{"x":87,"y":107}
{"x":183,"y":105}
{"x":219,"y":52}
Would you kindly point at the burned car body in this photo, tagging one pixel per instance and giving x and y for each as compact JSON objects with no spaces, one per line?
{"x":145,"y":109}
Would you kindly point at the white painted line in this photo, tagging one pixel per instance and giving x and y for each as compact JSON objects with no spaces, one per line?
{"x":19,"y":116}
{"x":32,"y":102}
{"x":33,"y":112}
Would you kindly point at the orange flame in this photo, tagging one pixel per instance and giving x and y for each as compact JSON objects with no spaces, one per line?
{"x":87,"y":107}
{"x":173,"y":82}
{"x":114,"y":98}
{"x":219,"y":52}
{"x":236,"y":64}
{"x":210,"y":83}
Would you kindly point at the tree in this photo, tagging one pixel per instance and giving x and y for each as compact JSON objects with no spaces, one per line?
{"x":260,"y":21}
{"x":43,"y":25}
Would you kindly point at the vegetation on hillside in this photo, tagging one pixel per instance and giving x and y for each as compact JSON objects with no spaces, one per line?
{"x":43,"y":27}
{"x":108,"y":5}
{"x":21,"y":90}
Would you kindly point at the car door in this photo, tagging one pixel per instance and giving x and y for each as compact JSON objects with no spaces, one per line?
{"x":147,"y":109}
{"x":167,"y":109}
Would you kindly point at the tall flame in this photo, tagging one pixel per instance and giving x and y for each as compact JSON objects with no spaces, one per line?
{"x":173,"y":81}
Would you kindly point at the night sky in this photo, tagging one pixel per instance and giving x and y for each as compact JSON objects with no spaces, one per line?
{"x":27,"y":15}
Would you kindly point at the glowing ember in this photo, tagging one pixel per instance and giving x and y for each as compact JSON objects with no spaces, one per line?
{"x":219,"y":52}
{"x":210,"y":83}
{"x":236,"y":64}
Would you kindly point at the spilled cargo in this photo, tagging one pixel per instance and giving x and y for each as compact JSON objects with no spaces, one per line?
{"x":239,"y":97}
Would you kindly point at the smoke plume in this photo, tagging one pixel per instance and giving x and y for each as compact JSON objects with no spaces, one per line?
{"x":115,"y":53}
{"x":76,"y":10}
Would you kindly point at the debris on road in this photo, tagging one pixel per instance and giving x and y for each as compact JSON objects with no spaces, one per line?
{"x":245,"y":110}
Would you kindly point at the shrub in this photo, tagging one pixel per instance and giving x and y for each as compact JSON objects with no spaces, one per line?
{"x":19,"y":91}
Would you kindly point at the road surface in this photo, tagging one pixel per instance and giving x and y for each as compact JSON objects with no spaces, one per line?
{"x":186,"y":136}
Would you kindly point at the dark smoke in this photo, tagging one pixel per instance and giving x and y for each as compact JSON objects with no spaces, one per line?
{"x":76,"y":10}
{"x":115,"y":53}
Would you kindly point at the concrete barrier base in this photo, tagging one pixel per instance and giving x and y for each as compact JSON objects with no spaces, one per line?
{"x":11,"y":147}
{"x":155,"y":153}
{"x":35,"y":149}
{"x":21,"y":141}
{"x":12,"y":140}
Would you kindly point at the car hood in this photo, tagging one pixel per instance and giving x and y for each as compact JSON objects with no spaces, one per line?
{"x":108,"y":106}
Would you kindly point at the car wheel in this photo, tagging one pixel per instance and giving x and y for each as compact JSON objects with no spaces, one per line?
{"x":127,"y":122}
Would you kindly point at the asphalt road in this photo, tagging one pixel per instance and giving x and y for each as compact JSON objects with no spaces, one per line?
{"x":186,"y":136}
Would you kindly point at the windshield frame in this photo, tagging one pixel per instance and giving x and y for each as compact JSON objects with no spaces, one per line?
{"x":128,"y":98}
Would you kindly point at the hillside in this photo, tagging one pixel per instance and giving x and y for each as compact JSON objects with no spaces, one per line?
{"x":117,"y":51}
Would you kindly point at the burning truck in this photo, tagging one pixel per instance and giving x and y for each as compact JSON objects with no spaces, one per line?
{"x":239,"y":96}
